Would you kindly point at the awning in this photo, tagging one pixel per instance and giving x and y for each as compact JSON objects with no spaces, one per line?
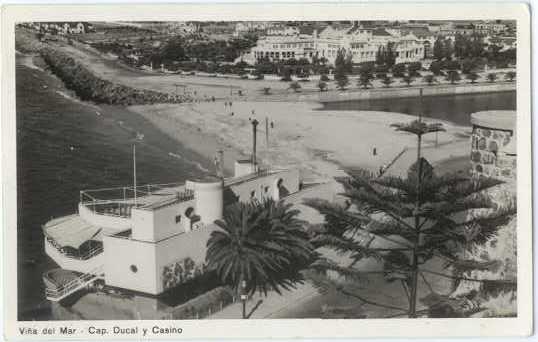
{"x":71,"y":231}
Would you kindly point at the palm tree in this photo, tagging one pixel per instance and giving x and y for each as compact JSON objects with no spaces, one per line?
{"x":260,"y":243}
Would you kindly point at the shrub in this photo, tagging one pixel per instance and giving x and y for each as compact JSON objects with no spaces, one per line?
{"x":89,"y":87}
{"x":473,"y":76}
{"x":387,"y":81}
{"x":398,"y":70}
{"x":468,"y":66}
{"x":322,"y":86}
{"x":414,"y":68}
{"x":430,"y":79}
{"x":435,"y":67}
{"x":381,"y":69}
{"x":510,"y":76}
{"x":295,"y":86}
{"x":205,"y":304}
{"x":324,"y":78}
{"x":408,"y":79}
{"x":453,"y":76}
{"x":342,"y":82}
{"x":492,"y":77}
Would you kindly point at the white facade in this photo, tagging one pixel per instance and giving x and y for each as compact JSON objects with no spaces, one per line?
{"x":362,"y":44}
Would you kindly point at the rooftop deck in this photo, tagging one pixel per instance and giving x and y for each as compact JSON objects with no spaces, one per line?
{"x":119,"y":201}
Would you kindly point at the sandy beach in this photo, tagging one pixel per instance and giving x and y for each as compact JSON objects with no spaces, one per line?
{"x":319,"y":142}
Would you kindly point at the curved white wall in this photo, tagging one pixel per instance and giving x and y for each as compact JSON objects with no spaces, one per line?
{"x":208,"y":200}
{"x":111,"y":223}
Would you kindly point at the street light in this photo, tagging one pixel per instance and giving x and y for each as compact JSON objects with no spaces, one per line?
{"x":244,"y":297}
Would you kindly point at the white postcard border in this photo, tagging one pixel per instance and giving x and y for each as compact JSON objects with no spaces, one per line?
{"x":272,"y":328}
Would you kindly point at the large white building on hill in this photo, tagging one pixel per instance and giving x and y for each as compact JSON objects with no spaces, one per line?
{"x":359,"y":42}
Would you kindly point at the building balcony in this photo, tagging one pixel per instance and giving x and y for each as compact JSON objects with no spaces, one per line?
{"x":75,"y":260}
{"x":61,"y":283}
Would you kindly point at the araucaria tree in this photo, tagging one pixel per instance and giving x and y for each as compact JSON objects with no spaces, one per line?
{"x":260,"y":243}
{"x":407,"y":224}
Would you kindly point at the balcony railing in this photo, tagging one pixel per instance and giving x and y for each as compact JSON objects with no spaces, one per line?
{"x":126,"y":193}
{"x":57,"y":293}
{"x":119,"y":201}
{"x":84,"y":255}
{"x":236,"y":180}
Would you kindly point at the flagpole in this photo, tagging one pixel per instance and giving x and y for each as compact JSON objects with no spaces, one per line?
{"x":134,"y":171}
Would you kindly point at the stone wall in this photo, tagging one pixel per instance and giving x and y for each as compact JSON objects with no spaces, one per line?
{"x":493,"y":154}
{"x":488,"y":154}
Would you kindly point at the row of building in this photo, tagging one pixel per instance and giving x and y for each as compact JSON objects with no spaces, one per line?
{"x":362,"y":44}
{"x":63,"y":28}
{"x":411,"y":42}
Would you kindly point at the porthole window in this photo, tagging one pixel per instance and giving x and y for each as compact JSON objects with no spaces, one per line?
{"x":134,"y":269}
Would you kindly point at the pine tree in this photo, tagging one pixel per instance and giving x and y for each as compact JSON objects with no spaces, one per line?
{"x":390,"y":58}
{"x":438,"y":49}
{"x":403,"y":223}
{"x":380,"y":56}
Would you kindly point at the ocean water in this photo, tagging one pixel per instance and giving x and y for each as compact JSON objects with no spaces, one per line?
{"x":453,"y":108}
{"x":64,"y":146}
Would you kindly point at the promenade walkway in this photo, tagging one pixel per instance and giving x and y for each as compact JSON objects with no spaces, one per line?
{"x":269,"y":306}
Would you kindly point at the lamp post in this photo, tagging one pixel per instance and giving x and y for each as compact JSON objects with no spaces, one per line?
{"x":244,"y":297}
{"x":134,"y":171}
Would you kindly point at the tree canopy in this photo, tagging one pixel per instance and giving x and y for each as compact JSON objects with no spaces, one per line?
{"x":400,"y":224}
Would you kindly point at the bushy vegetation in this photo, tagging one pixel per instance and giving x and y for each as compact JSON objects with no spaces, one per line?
{"x":89,"y":87}
{"x":205,"y":304}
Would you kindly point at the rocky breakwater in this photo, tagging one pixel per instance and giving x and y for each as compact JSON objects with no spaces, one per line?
{"x":89,"y":87}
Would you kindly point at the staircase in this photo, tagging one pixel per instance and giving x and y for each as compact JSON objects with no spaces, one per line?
{"x":57,"y":293}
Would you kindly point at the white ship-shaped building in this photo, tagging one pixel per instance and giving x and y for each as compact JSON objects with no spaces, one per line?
{"x":149,"y":238}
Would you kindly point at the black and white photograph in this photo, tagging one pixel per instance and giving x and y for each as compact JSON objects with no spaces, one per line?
{"x":360,"y":169}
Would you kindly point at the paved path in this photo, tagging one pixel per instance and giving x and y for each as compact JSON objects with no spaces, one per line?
{"x":271,"y":305}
